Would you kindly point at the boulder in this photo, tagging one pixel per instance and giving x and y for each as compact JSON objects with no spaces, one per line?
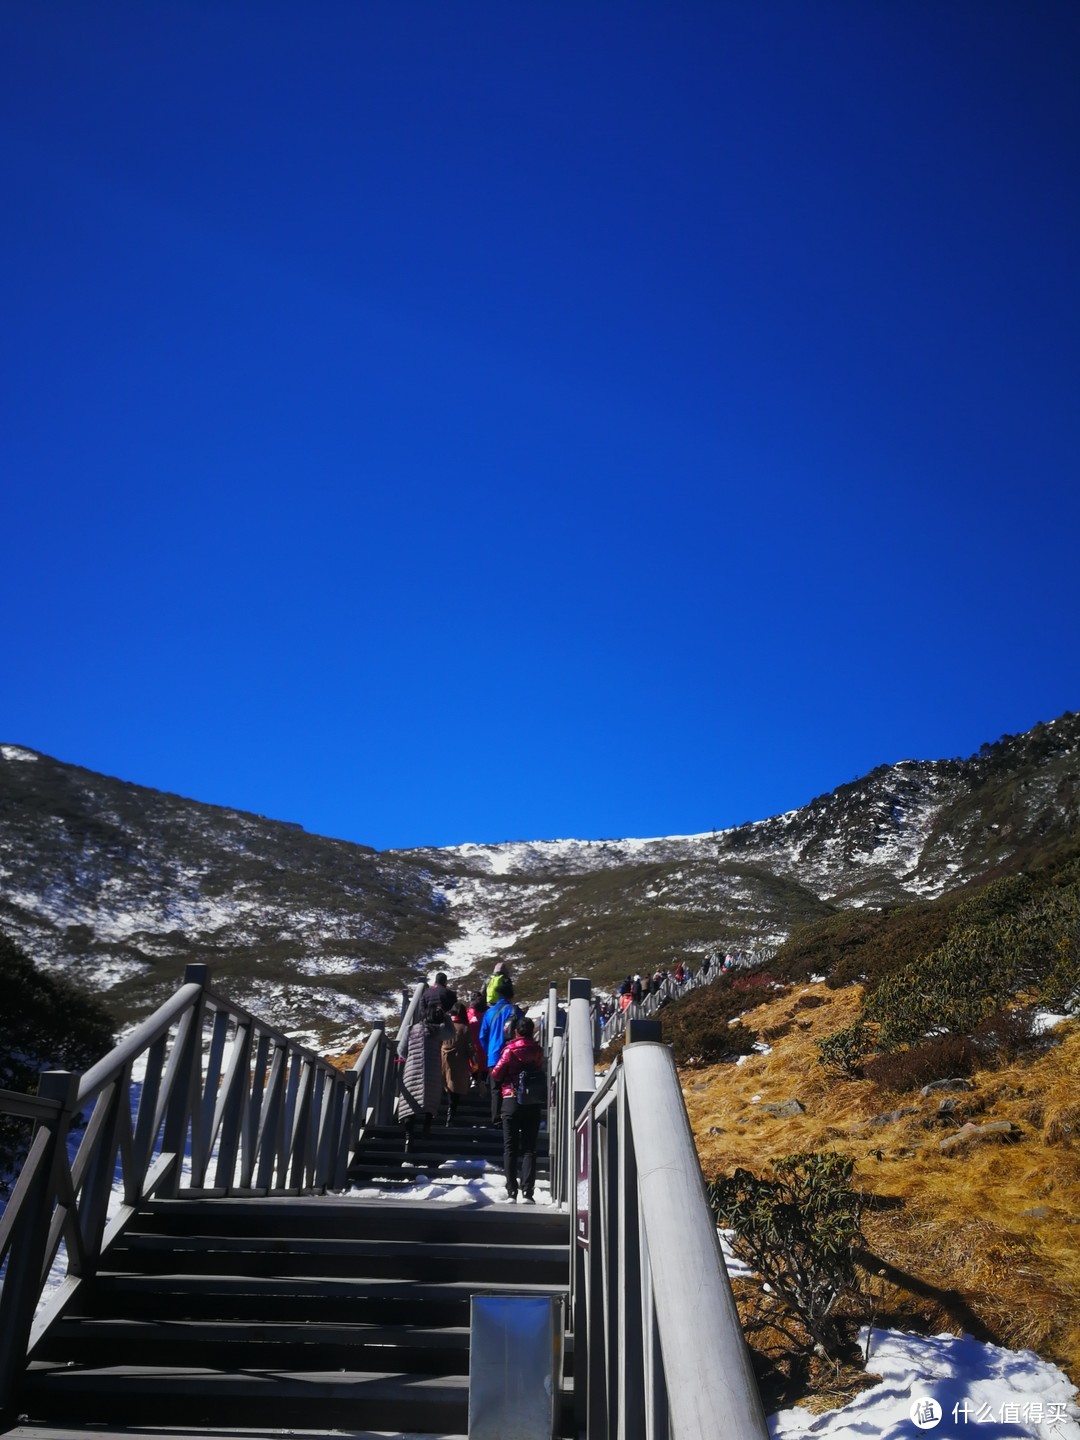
{"x":970,"y":1134}
{"x":890,"y":1115}
{"x":782,"y":1109}
{"x":955,"y":1084}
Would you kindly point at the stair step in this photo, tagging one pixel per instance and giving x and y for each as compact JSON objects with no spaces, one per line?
{"x":28,"y":1430}
{"x":328,"y":1300}
{"x":298,"y":1256}
{"x":281,"y":1345}
{"x":96,"y":1343}
{"x":445,"y":1142}
{"x":432,"y":1221}
{"x":197,"y":1395}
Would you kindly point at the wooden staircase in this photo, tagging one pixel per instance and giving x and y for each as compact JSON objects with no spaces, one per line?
{"x":267,"y":1316}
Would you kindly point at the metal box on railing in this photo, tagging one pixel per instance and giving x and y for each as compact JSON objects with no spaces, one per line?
{"x":515,"y":1366}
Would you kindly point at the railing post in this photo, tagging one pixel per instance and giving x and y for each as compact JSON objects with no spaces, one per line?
{"x":348,"y":1093}
{"x":710,"y":1384}
{"x":551,"y":1017}
{"x":30,"y":1241}
{"x":582,"y":1058}
{"x":582,"y":1085}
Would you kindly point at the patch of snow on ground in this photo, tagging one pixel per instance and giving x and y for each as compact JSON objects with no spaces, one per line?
{"x":1043,"y":1021}
{"x":16,"y":752}
{"x":984,"y":1390}
{"x":737,"y":1269}
{"x":477,"y":943}
{"x":478,"y":1190}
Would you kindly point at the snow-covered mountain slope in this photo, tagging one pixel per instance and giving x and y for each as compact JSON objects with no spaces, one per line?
{"x":120,"y":885}
{"x":904,"y":832}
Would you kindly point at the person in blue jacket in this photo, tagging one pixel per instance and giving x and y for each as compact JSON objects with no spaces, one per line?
{"x":492,"y":1039}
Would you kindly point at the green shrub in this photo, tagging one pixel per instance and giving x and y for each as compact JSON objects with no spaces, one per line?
{"x":1000,"y":897}
{"x":843,"y":1049}
{"x":799,"y":1232}
{"x":953,"y":989}
{"x":1058,"y":930}
{"x":1020,"y":945}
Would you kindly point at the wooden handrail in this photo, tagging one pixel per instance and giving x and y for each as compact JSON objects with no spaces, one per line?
{"x":229,"y":1105}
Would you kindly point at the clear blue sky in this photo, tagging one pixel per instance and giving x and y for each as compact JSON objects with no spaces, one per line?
{"x":441,"y":421}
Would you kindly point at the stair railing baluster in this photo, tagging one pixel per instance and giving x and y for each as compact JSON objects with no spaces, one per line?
{"x":145,"y":1128}
{"x":288,"y":1149}
{"x":232,"y":1102}
{"x":210,"y":1106}
{"x":182,"y":1113}
{"x":298,"y":1129}
{"x":253,"y":1110}
{"x":316,"y":1127}
{"x":271,"y":1142}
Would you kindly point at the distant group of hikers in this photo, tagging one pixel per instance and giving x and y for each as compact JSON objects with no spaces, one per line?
{"x":635,"y":989}
{"x":487,"y":1045}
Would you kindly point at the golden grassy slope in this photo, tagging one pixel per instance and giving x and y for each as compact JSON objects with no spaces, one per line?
{"x":952,"y":1222}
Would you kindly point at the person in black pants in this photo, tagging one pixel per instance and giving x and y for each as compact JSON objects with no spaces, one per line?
{"x":521,"y":1122}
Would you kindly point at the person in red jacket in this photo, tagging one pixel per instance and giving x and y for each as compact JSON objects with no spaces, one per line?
{"x":476,"y":1012}
{"x":521,"y":1122}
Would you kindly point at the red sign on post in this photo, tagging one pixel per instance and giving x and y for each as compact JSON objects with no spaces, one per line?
{"x":582,"y":1149}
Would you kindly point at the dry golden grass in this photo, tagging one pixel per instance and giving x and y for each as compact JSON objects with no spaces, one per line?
{"x":348,"y":1059}
{"x":948,"y":1228}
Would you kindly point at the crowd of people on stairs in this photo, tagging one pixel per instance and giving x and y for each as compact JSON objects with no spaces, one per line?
{"x":488,"y":1045}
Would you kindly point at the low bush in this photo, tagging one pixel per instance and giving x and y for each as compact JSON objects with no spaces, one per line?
{"x":799,"y":1231}
{"x":1004,"y":1036}
{"x":843,"y":1049}
{"x":937,"y":1059}
{"x":754,"y":982}
{"x":698,"y":1028}
{"x":863,"y":946}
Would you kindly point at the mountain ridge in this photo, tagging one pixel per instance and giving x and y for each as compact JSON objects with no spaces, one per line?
{"x":118,"y":885}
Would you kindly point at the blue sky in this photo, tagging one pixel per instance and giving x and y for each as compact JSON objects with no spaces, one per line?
{"x":436,"y":422}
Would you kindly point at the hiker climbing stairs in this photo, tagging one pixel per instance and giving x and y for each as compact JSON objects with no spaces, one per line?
{"x":469,"y":1147}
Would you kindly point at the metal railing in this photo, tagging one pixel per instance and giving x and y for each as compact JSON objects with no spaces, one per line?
{"x":670,"y":989}
{"x":659,"y":1349}
{"x":228,"y":1105}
